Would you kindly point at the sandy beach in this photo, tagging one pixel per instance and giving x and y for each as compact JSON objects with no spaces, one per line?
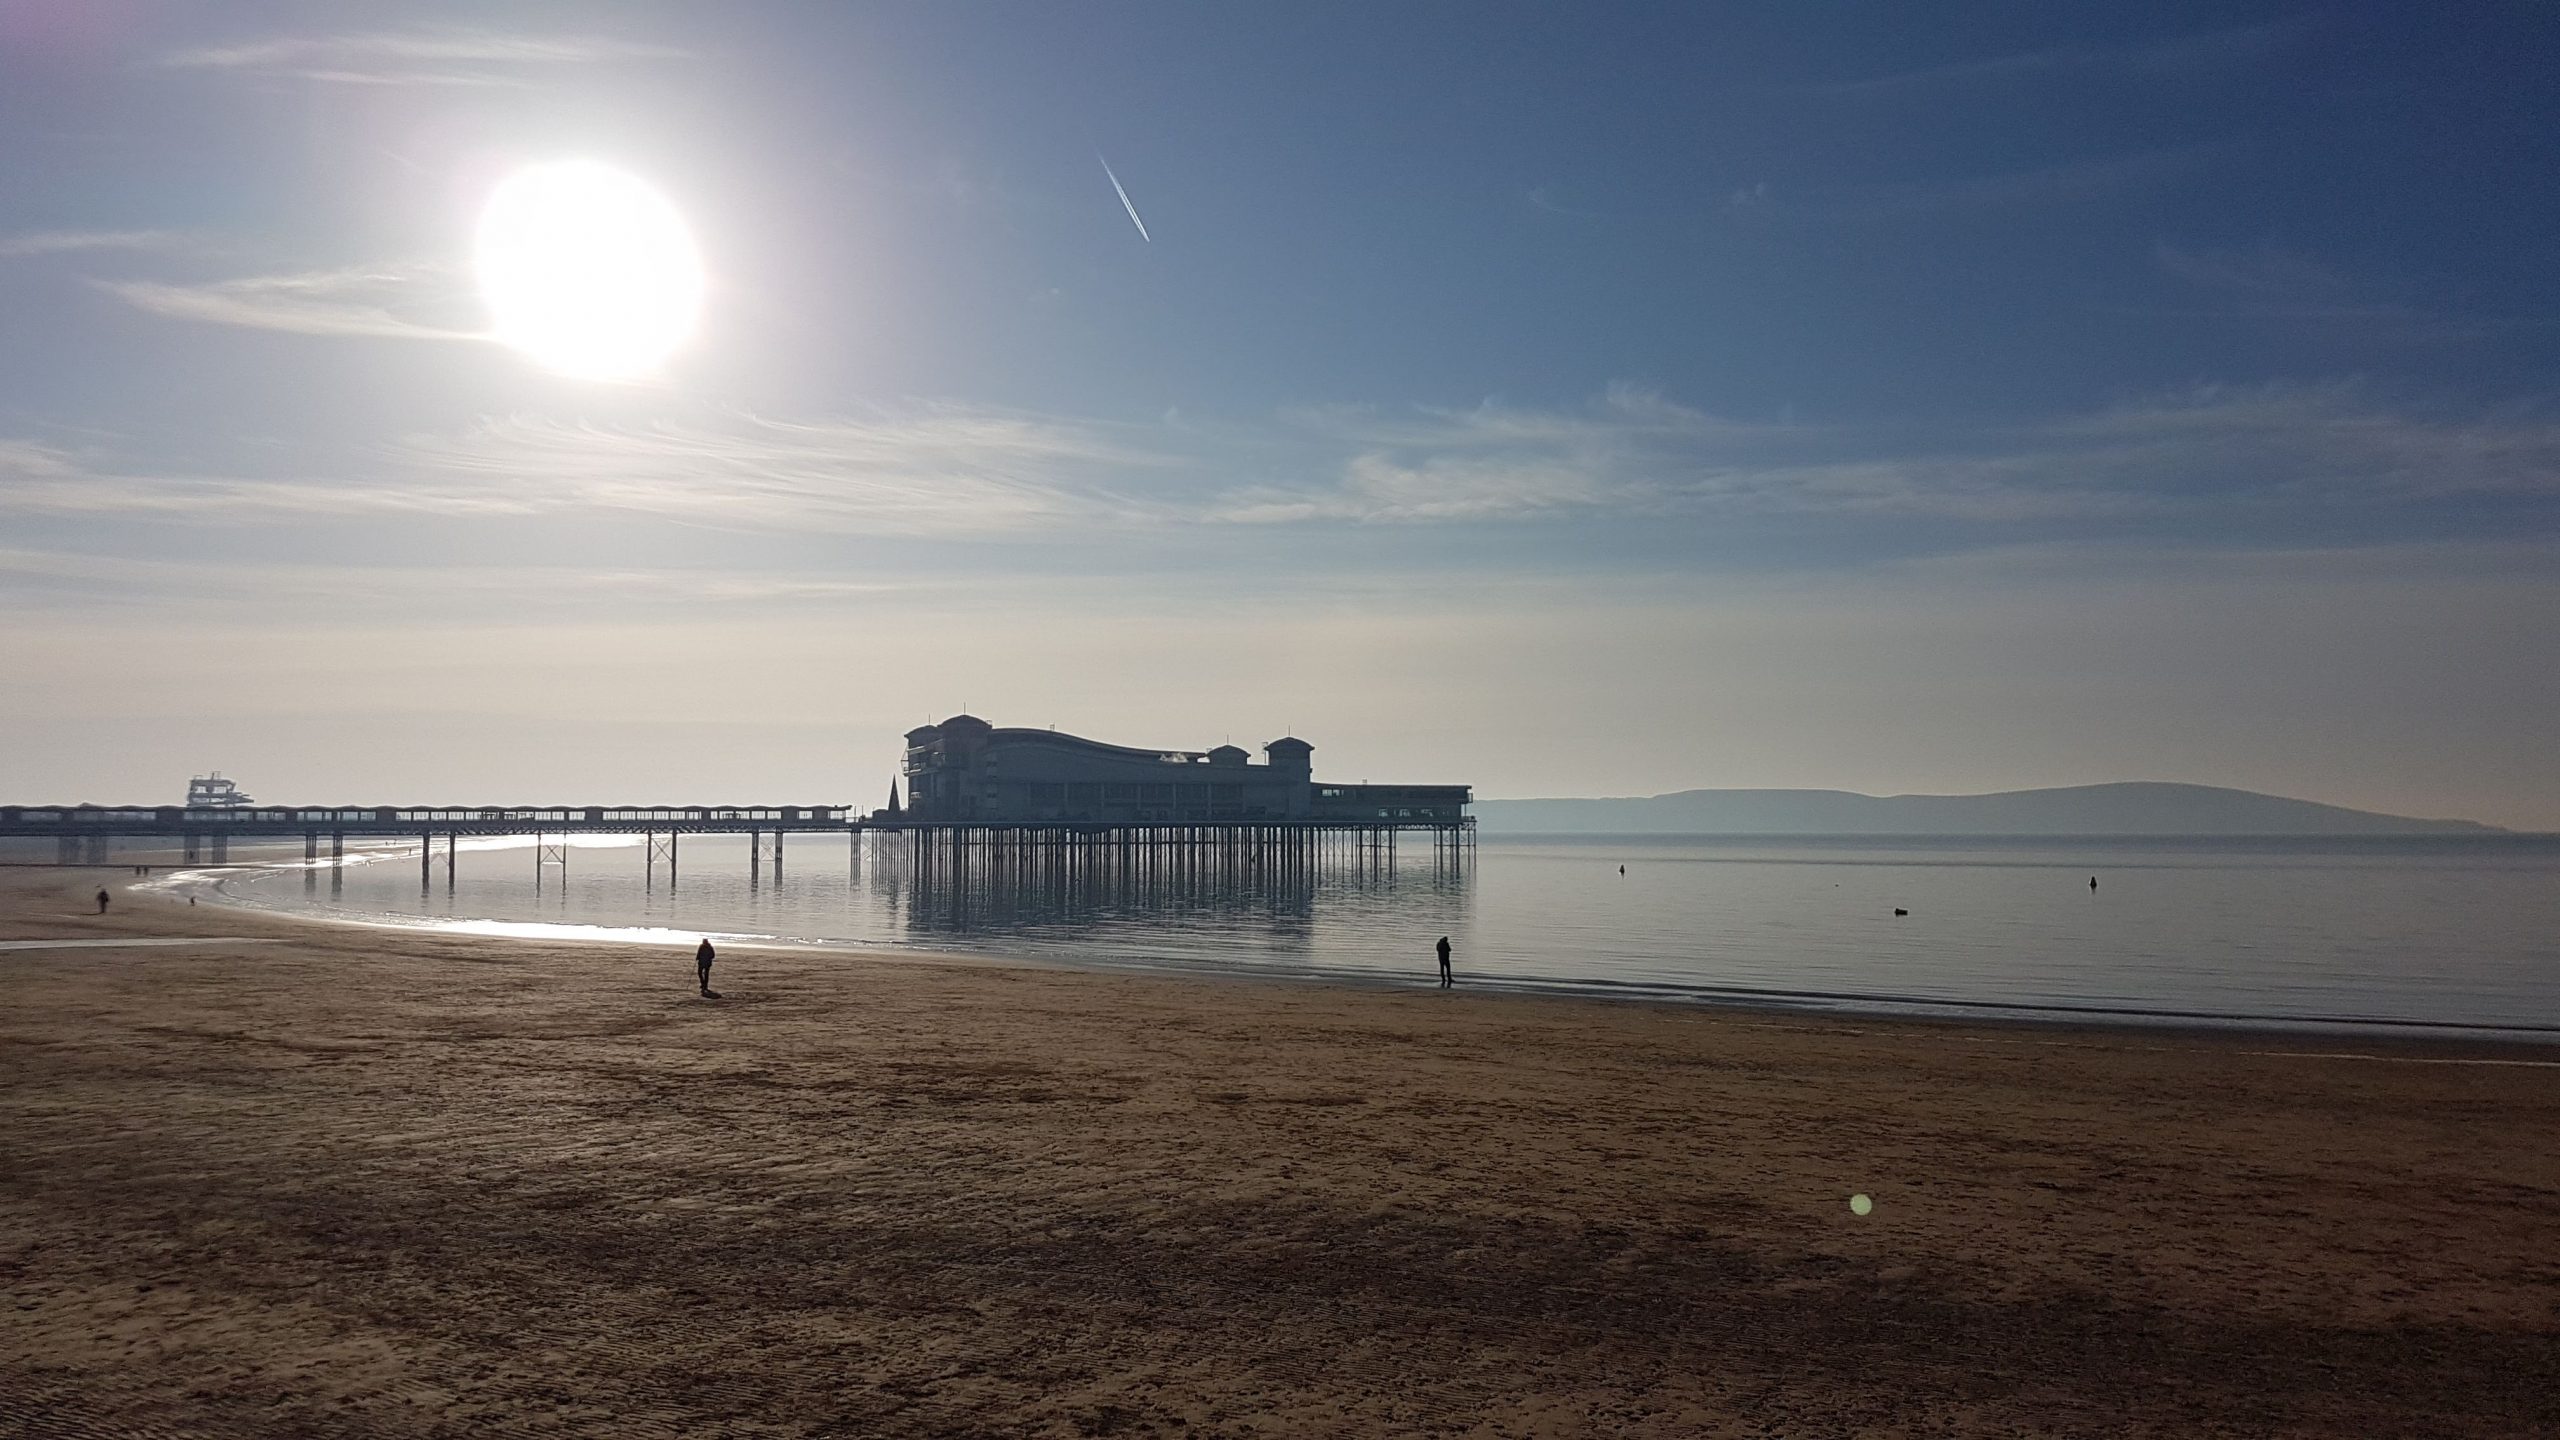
{"x":337,"y":1181}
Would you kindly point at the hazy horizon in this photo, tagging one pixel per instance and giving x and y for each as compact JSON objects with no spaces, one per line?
{"x":1566,"y":402}
{"x":859,"y":802}
{"x":1942,"y":795}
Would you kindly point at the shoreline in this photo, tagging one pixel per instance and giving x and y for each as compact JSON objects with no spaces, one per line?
{"x":2414,"y":1041}
{"x":2432,"y":1042}
{"x":1811,"y":1005}
{"x":355,"y":1180}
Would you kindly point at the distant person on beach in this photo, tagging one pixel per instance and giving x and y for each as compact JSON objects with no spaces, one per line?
{"x":702,"y":956}
{"x":1443,"y":948}
{"x":102,"y":902}
{"x":2093,"y":882}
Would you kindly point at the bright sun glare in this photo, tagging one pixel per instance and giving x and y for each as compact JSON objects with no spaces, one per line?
{"x":588,"y":270}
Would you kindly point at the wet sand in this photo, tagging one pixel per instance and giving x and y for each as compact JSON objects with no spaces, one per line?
{"x":363,"y":1182}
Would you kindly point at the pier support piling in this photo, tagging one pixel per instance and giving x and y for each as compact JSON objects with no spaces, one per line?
{"x":545,"y":853}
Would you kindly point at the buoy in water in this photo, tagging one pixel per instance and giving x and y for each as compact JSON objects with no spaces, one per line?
{"x":1900,"y":911}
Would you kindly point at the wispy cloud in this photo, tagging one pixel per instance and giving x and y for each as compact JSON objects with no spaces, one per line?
{"x":25,"y":463}
{"x":921,"y":469}
{"x":2315,"y":446}
{"x":2265,"y":450}
{"x":66,"y":242}
{"x":2093,"y":178}
{"x":89,"y":578}
{"x":418,"y":57}
{"x":1494,"y":462}
{"x":2206,"y":464}
{"x":1635,"y":454}
{"x":1383,"y":488}
{"x":1543,"y":197}
{"x":2174,"y":54}
{"x":2266,"y":270}
{"x":49,"y":480}
{"x":917,"y":470}
{"x":2272,"y":283}
{"x":1621,"y":412}
{"x":414,"y":301}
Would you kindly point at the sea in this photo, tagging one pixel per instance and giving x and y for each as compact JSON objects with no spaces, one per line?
{"x":2455,"y":935}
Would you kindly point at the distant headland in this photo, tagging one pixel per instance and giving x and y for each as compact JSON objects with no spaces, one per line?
{"x":2131,"y":808}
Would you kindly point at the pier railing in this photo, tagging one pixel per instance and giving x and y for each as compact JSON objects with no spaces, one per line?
{"x":84,"y":832}
{"x":45,"y":820}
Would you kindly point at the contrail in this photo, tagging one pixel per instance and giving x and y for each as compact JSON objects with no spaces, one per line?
{"x":1124,"y":201}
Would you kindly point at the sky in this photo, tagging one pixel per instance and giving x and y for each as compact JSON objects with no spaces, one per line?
{"x":1559,"y":399}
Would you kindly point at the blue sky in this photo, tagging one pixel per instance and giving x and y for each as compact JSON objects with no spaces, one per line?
{"x":1565,"y":399}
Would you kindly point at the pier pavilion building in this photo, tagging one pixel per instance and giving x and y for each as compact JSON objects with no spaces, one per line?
{"x":966,"y":770}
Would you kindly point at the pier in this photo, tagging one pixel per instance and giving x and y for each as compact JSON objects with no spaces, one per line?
{"x":84,"y":834}
{"x":952,"y":849}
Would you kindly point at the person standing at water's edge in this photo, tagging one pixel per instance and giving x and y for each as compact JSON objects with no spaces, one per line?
{"x":1443,"y":948}
{"x":702,"y":957}
{"x":102,"y":902}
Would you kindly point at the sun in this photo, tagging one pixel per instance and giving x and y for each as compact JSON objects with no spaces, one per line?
{"x":588,"y":270}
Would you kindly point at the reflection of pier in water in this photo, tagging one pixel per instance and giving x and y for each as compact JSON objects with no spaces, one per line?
{"x":964,"y":879}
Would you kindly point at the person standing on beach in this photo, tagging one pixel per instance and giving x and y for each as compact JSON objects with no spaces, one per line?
{"x":702,"y":956}
{"x":102,"y":902}
{"x":1443,"y":948}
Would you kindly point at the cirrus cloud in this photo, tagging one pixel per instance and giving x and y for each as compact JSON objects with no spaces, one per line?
{"x":2209,"y":465}
{"x":419,"y":57}
{"x":418,"y":300}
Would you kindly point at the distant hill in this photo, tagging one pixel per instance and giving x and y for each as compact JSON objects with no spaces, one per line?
{"x":2136,"y":808}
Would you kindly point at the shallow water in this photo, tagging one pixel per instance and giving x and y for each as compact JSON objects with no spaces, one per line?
{"x":2396,"y":932}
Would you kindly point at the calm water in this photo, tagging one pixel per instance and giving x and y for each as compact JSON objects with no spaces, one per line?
{"x":2439,"y":932}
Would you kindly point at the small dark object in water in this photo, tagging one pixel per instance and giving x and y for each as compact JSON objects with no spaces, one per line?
{"x":1898,"y":910}
{"x":2093,"y":882}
